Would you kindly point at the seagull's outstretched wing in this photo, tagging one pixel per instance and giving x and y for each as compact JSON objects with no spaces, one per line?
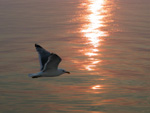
{"x":52,"y":63}
{"x":43,"y":55}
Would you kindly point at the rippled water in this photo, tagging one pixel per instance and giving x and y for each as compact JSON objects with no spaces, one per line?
{"x":104,"y":44}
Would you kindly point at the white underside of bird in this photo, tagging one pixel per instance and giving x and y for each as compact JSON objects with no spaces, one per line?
{"x":49,"y":64}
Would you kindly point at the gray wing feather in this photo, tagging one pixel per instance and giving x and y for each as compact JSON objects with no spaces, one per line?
{"x":43,"y":55}
{"x":52,"y":63}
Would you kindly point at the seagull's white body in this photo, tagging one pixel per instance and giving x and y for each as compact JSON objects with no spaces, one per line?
{"x":47,"y":73}
{"x":49,"y":64}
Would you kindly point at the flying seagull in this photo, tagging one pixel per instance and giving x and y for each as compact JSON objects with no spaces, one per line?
{"x":49,"y":64}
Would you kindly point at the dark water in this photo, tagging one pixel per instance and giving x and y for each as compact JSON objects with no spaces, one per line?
{"x":104,"y":44}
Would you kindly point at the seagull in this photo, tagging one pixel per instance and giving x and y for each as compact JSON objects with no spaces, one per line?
{"x":48,"y":64}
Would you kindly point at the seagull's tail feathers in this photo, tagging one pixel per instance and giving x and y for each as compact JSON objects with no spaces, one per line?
{"x":34,"y":75}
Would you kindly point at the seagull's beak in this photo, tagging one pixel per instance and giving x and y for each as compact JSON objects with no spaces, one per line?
{"x":67,"y":72}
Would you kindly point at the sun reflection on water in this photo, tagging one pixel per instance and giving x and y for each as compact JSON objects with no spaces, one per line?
{"x":96,"y":87}
{"x":92,"y":32}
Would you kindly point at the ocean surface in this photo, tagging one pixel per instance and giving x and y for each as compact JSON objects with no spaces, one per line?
{"x":105,"y":44}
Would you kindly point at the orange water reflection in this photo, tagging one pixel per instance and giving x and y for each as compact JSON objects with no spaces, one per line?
{"x":97,"y":87}
{"x":92,"y":32}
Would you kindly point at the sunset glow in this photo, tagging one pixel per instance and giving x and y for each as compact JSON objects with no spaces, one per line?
{"x":92,"y":31}
{"x":96,"y":87}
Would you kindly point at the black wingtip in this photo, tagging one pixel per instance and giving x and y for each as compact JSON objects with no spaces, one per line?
{"x":36,"y":45}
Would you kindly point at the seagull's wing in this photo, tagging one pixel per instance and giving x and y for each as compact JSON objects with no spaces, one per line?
{"x":52,"y":63}
{"x":43,"y":55}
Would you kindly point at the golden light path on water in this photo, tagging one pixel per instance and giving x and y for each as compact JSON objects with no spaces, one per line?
{"x":93,"y":33}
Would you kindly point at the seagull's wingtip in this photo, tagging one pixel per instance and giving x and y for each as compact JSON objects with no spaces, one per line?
{"x":36,"y":45}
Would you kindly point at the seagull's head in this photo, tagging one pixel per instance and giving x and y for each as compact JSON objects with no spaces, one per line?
{"x":64,"y":71}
